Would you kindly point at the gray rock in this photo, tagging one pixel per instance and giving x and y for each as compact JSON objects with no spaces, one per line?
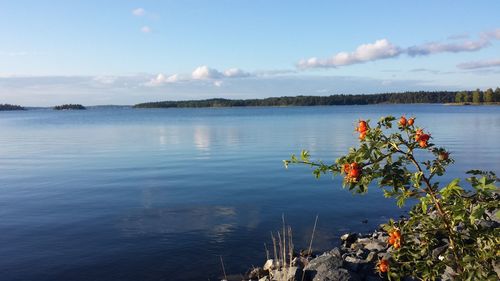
{"x":371,"y":257}
{"x":269,"y":265}
{"x":356,"y":246}
{"x":335,"y":275}
{"x":352,"y":263}
{"x":361,"y":253}
{"x":332,"y":259}
{"x":353,"y":260}
{"x":375,"y":246}
{"x":289,"y":274}
{"x":364,"y":241}
{"x":349,"y":238}
{"x":328,"y":267}
{"x":384,"y":256}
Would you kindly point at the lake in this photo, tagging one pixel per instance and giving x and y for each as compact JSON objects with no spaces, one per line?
{"x":160,"y":194}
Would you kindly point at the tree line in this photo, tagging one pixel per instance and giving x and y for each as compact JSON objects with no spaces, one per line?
{"x":7,"y":106}
{"x":476,"y":96}
{"x":69,"y":107}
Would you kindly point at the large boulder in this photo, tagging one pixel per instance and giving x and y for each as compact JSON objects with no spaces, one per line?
{"x":328,"y":267}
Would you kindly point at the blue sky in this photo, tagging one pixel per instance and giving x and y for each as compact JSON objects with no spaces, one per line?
{"x":124,"y":52}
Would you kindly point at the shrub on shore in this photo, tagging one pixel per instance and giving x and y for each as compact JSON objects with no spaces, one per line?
{"x":450,"y":229}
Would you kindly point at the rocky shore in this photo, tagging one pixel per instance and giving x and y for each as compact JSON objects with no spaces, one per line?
{"x":354,"y":260}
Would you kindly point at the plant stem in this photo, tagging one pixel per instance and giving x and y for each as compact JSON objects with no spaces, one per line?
{"x":429,"y":191}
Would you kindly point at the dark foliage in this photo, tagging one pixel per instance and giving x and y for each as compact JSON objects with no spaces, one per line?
{"x":69,"y":107}
{"x":406,"y":97}
{"x":11,"y":107}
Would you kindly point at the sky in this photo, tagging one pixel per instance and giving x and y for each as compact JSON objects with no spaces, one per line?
{"x":125,"y":52}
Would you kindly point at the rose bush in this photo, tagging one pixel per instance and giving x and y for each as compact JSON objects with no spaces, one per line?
{"x":451,"y":231}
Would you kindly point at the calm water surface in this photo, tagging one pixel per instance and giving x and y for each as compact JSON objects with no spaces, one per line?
{"x":124,"y":194}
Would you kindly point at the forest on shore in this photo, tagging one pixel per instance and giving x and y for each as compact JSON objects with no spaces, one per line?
{"x":7,"y":106}
{"x":477,"y":96}
{"x":488,"y":96}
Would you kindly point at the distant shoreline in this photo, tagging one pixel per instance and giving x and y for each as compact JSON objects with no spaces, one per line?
{"x":435,"y":97}
{"x":470,"y":103}
{"x":449,"y":98}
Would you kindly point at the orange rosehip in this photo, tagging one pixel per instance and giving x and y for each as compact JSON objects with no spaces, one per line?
{"x":362,"y":126}
{"x":402,"y":121}
{"x":422,"y":143}
{"x":411,"y":121}
{"x":418,"y":133}
{"x":354,"y":173}
{"x":397,"y":245}
{"x":362,"y":135}
{"x":424,"y":137}
{"x":346,"y":167}
{"x":383,"y":266}
{"x":392,"y":240}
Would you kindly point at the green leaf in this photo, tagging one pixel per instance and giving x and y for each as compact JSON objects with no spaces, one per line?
{"x":304,"y":155}
{"x":477,"y":213}
{"x":424,"y":205}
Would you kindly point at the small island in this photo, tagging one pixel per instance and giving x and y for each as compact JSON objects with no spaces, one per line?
{"x":7,"y":106}
{"x":69,"y":107}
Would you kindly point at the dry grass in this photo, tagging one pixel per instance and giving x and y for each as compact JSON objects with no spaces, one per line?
{"x":284,"y":248}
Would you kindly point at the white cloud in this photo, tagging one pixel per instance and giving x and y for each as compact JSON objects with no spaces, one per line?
{"x":204,"y":72}
{"x":494,"y":34}
{"x":200,"y":73}
{"x":235,"y":73}
{"x":383,"y":49}
{"x":380,"y":49}
{"x":146,"y":29}
{"x":161,"y":79}
{"x":436,"y":47}
{"x":139,"y":12}
{"x":479,"y":64}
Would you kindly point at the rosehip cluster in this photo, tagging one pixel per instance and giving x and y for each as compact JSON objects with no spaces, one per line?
{"x":362,"y":128}
{"x":383,"y":266}
{"x":395,"y":239}
{"x":422,"y":138}
{"x":352,"y":171}
{"x":403,"y":122}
